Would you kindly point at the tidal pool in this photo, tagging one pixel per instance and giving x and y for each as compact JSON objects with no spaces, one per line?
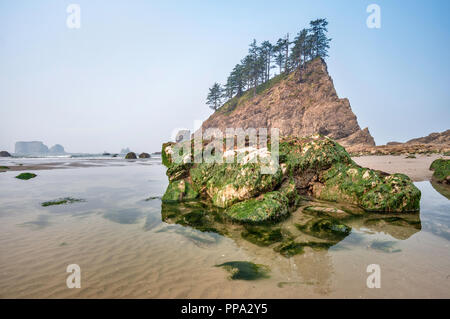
{"x":130,"y":245}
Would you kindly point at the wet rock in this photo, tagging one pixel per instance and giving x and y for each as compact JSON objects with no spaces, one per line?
{"x":144,"y":155}
{"x":441,"y":168}
{"x":314,"y":166}
{"x":179,"y":191}
{"x":26,"y":176}
{"x":131,"y":155}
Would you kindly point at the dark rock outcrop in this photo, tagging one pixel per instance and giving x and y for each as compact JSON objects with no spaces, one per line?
{"x":316,"y":166}
{"x":4,"y":154}
{"x":131,"y":155}
{"x":144,"y":155}
{"x":441,"y":168}
{"x":296,"y":107}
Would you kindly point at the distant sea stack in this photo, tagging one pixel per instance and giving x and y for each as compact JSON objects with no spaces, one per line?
{"x":299,"y":103}
{"x":38,"y":148}
{"x":432,"y":143}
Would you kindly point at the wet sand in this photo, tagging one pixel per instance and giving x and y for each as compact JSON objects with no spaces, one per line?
{"x":126,"y":250}
{"x":418,"y":169}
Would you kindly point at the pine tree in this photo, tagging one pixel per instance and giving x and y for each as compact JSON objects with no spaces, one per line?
{"x":267,"y":51}
{"x":320,"y":42}
{"x":214,"y":97}
{"x":279,"y":52}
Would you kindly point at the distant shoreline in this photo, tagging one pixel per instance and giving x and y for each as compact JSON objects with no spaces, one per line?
{"x":416,"y":168}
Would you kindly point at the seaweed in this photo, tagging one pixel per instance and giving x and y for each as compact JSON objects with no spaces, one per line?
{"x":245,"y":270}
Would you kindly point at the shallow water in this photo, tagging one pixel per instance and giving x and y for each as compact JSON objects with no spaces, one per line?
{"x":129,"y":245}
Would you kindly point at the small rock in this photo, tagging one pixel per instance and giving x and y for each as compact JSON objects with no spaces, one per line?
{"x":131,"y":155}
{"x":144,"y":155}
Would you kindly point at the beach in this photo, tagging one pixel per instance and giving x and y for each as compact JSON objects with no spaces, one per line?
{"x":127,"y":247}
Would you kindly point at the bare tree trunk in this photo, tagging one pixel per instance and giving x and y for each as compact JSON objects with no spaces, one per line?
{"x":287,"y":53}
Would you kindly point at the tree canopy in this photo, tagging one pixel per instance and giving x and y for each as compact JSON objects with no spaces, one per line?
{"x":255,"y":68}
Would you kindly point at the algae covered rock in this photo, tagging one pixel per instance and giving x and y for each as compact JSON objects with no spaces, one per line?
{"x":369,"y":189}
{"x":178,"y":191}
{"x":26,"y":176}
{"x":144,"y":155}
{"x":441,"y":168}
{"x":269,"y":206}
{"x":131,"y":155}
{"x":312,"y":166}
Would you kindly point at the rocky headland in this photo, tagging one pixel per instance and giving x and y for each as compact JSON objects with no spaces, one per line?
{"x":300,"y":103}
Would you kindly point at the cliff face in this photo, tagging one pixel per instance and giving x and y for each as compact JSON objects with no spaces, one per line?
{"x":296,"y":107}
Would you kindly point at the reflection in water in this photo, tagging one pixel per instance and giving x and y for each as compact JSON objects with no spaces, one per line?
{"x":304,"y":238}
{"x":436,"y":216}
{"x":124,"y":216}
{"x":315,"y":226}
{"x":443,"y":189}
{"x":133,"y":247}
{"x":41,"y":222}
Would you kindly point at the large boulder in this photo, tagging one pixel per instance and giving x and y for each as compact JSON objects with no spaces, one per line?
{"x":316,"y":166}
{"x":4,"y":154}
{"x":144,"y":155}
{"x":131,"y":155}
{"x":441,"y":168}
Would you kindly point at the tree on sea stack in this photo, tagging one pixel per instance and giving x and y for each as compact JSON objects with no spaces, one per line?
{"x":214,"y":97}
{"x":320,"y":42}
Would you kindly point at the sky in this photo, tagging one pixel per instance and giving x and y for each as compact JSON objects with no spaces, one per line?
{"x":135,"y":71}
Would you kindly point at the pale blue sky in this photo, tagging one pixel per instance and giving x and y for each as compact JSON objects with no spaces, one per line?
{"x":136,"y":70}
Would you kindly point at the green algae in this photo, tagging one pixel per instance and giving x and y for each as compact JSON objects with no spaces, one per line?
{"x":179,"y":191}
{"x":4,"y":167}
{"x":269,"y":207}
{"x":372,"y":190}
{"x":289,"y":248}
{"x":314,"y":165}
{"x":245,"y":270}
{"x":62,"y":201}
{"x":152,"y":198}
{"x":26,"y":176}
{"x":325,"y":228}
{"x":262,"y":236}
{"x":441,"y":168}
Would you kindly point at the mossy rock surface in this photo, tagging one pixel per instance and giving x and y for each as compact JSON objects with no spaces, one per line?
{"x":270,"y":206}
{"x":179,"y":191}
{"x":311,"y":166}
{"x":131,"y":155}
{"x":326,"y":228}
{"x":371,"y":190}
{"x":26,"y":176}
{"x":441,"y":168}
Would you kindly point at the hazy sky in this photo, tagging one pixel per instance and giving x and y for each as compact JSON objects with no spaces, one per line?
{"x":136,"y":70}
